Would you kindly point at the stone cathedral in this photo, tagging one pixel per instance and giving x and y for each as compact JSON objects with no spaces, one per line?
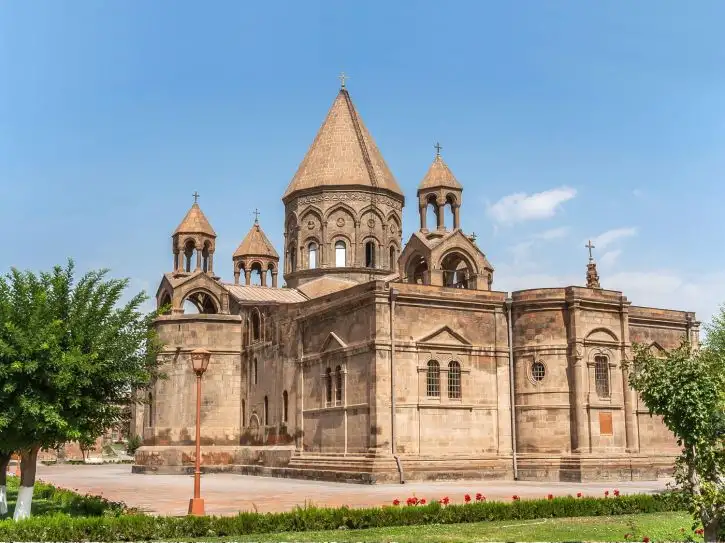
{"x":374,"y":359}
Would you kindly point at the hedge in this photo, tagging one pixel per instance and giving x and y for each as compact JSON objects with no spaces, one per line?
{"x":135,"y":527}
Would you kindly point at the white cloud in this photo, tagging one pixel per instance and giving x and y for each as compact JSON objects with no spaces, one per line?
{"x":520,"y":206}
{"x":553,"y":233}
{"x":521,"y":251}
{"x":609,"y":258}
{"x":602,"y":241}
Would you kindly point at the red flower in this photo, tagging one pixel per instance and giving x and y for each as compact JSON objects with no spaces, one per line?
{"x":515,"y":498}
{"x":467,"y":497}
{"x":422,"y":501}
{"x":606,"y":493}
{"x":445,"y":500}
{"x":396,"y":502}
{"x":700,"y":531}
{"x":550,"y":497}
{"x":479,"y":497}
{"x":578,"y":494}
{"x":645,"y":539}
{"x":410,"y":501}
{"x":616,"y":492}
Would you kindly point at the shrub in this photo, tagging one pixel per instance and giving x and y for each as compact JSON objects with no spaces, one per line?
{"x":135,"y":527}
{"x":134,"y":443}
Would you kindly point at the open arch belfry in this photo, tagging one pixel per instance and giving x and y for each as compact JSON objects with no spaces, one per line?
{"x":299,"y":382}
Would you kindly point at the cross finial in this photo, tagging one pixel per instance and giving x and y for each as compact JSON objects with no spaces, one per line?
{"x":473,"y":237}
{"x":256,"y":216}
{"x":590,"y":246}
{"x":196,"y":196}
{"x":342,"y":77}
{"x":438,"y":148}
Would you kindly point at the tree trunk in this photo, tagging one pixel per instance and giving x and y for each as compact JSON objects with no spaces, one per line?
{"x":28,"y":465}
{"x":60,"y":454}
{"x":712,"y":531}
{"x":4,"y":463}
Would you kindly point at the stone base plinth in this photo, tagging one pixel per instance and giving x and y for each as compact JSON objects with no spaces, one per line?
{"x":583,"y":468}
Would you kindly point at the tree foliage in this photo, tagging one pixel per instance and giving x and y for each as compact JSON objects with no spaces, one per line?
{"x":71,"y":356}
{"x":686,"y":387}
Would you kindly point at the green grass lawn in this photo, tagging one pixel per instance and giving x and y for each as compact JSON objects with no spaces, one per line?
{"x":656,"y":526}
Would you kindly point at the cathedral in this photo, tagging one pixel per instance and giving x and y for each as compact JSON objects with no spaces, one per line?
{"x":377,"y":359}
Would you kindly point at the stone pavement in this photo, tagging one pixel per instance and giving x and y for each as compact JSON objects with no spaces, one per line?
{"x":227,"y":494}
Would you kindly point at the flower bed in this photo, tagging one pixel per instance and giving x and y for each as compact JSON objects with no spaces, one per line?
{"x":134,"y":527}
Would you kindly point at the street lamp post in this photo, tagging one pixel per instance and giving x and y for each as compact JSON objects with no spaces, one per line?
{"x":199,"y":362}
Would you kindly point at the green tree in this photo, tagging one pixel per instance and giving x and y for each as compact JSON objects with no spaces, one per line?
{"x":687,"y":388}
{"x":71,"y":358}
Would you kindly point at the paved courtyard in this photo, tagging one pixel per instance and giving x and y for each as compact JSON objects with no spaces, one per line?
{"x":227,"y":494}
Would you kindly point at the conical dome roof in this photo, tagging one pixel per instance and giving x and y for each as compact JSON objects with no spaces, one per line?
{"x":343,"y":154}
{"x":195,"y":222}
{"x":256,"y":243}
{"x":439,"y":175}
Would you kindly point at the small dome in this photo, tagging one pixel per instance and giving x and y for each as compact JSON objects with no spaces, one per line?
{"x":256,"y":244}
{"x":195,"y":222}
{"x":439,"y":176}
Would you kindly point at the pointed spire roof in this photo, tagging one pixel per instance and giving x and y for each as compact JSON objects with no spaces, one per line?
{"x":343,"y":154}
{"x":256,"y":243}
{"x":195,"y":222}
{"x":439,"y":175}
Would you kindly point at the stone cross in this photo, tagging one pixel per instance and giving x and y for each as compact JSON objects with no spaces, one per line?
{"x":196,"y":196}
{"x":438,"y":148}
{"x":342,"y":78}
{"x":590,"y":246}
{"x":256,"y":215}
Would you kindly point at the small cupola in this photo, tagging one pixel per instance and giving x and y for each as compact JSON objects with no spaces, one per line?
{"x":194,"y":241}
{"x":439,"y":188}
{"x":255,"y":254}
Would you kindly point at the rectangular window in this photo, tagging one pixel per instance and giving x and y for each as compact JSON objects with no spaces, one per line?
{"x":433,"y":380}
{"x":601,"y":376}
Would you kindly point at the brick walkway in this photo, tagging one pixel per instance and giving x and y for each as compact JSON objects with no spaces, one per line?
{"x":226,"y":494}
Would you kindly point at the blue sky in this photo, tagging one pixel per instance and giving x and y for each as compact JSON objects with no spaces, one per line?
{"x":563,"y":120}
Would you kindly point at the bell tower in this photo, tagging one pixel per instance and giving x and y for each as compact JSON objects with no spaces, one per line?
{"x":439,"y":188}
{"x":194,"y":242}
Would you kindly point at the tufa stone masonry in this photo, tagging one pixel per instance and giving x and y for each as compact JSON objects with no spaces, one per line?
{"x":384,"y":361}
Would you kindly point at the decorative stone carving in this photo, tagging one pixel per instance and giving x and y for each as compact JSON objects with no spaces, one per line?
{"x":349,"y":196}
{"x":340,"y":222}
{"x":371,"y":223}
{"x":311,"y":224}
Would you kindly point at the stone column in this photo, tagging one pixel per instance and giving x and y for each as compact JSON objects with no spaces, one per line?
{"x":354,"y":262}
{"x":456,"y":217}
{"x":423,"y":211}
{"x":274,"y":279}
{"x":263,"y":276}
{"x":236,"y":276}
{"x":581,"y":381}
{"x":198,"y":259}
{"x":211,"y":263}
{"x":323,"y":250}
{"x":441,"y":216}
{"x":629,"y":396}
{"x":247,"y":276}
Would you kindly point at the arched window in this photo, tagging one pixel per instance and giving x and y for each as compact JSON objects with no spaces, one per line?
{"x":292,"y":257}
{"x":256,"y":325}
{"x":312,"y":255}
{"x":338,"y":385}
{"x":454,"y":380}
{"x":256,"y":274}
{"x":254,"y":371}
{"x":266,"y":411}
{"x":328,"y":386}
{"x":431,"y":214}
{"x":393,"y":263}
{"x":433,"y":380}
{"x":165,"y":301}
{"x":340,"y":254}
{"x":370,"y":254}
{"x":205,"y":260}
{"x":150,"y":411}
{"x":244,"y":413}
{"x":285,"y":406}
{"x":189,"y":256}
{"x":601,"y":376}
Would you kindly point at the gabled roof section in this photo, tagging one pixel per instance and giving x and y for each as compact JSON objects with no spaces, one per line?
{"x":195,"y":222}
{"x":439,"y":175}
{"x":332,"y":342}
{"x":322,"y":286}
{"x":255,"y":293}
{"x":256,"y":243}
{"x":343,"y":154}
{"x":444,"y":335}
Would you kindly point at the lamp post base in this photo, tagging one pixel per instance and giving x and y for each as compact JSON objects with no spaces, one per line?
{"x":196,"y":507}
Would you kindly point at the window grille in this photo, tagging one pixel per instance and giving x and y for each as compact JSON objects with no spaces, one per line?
{"x":538,"y":371}
{"x":454,"y":380}
{"x":601,"y":376}
{"x":433,"y":380}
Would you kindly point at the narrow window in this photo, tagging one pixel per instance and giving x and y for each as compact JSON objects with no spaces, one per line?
{"x":266,"y":411}
{"x":255,"y":325}
{"x":254,"y":371}
{"x":370,"y":254}
{"x":150,"y":411}
{"x":340,"y":254}
{"x":244,"y":412}
{"x":393,"y":263}
{"x":454,"y":380}
{"x":285,"y":405}
{"x":328,"y":386}
{"x":312,"y":255}
{"x":601,"y":376}
{"x":292,"y":258}
{"x":338,"y":385}
{"x":433,"y":381}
